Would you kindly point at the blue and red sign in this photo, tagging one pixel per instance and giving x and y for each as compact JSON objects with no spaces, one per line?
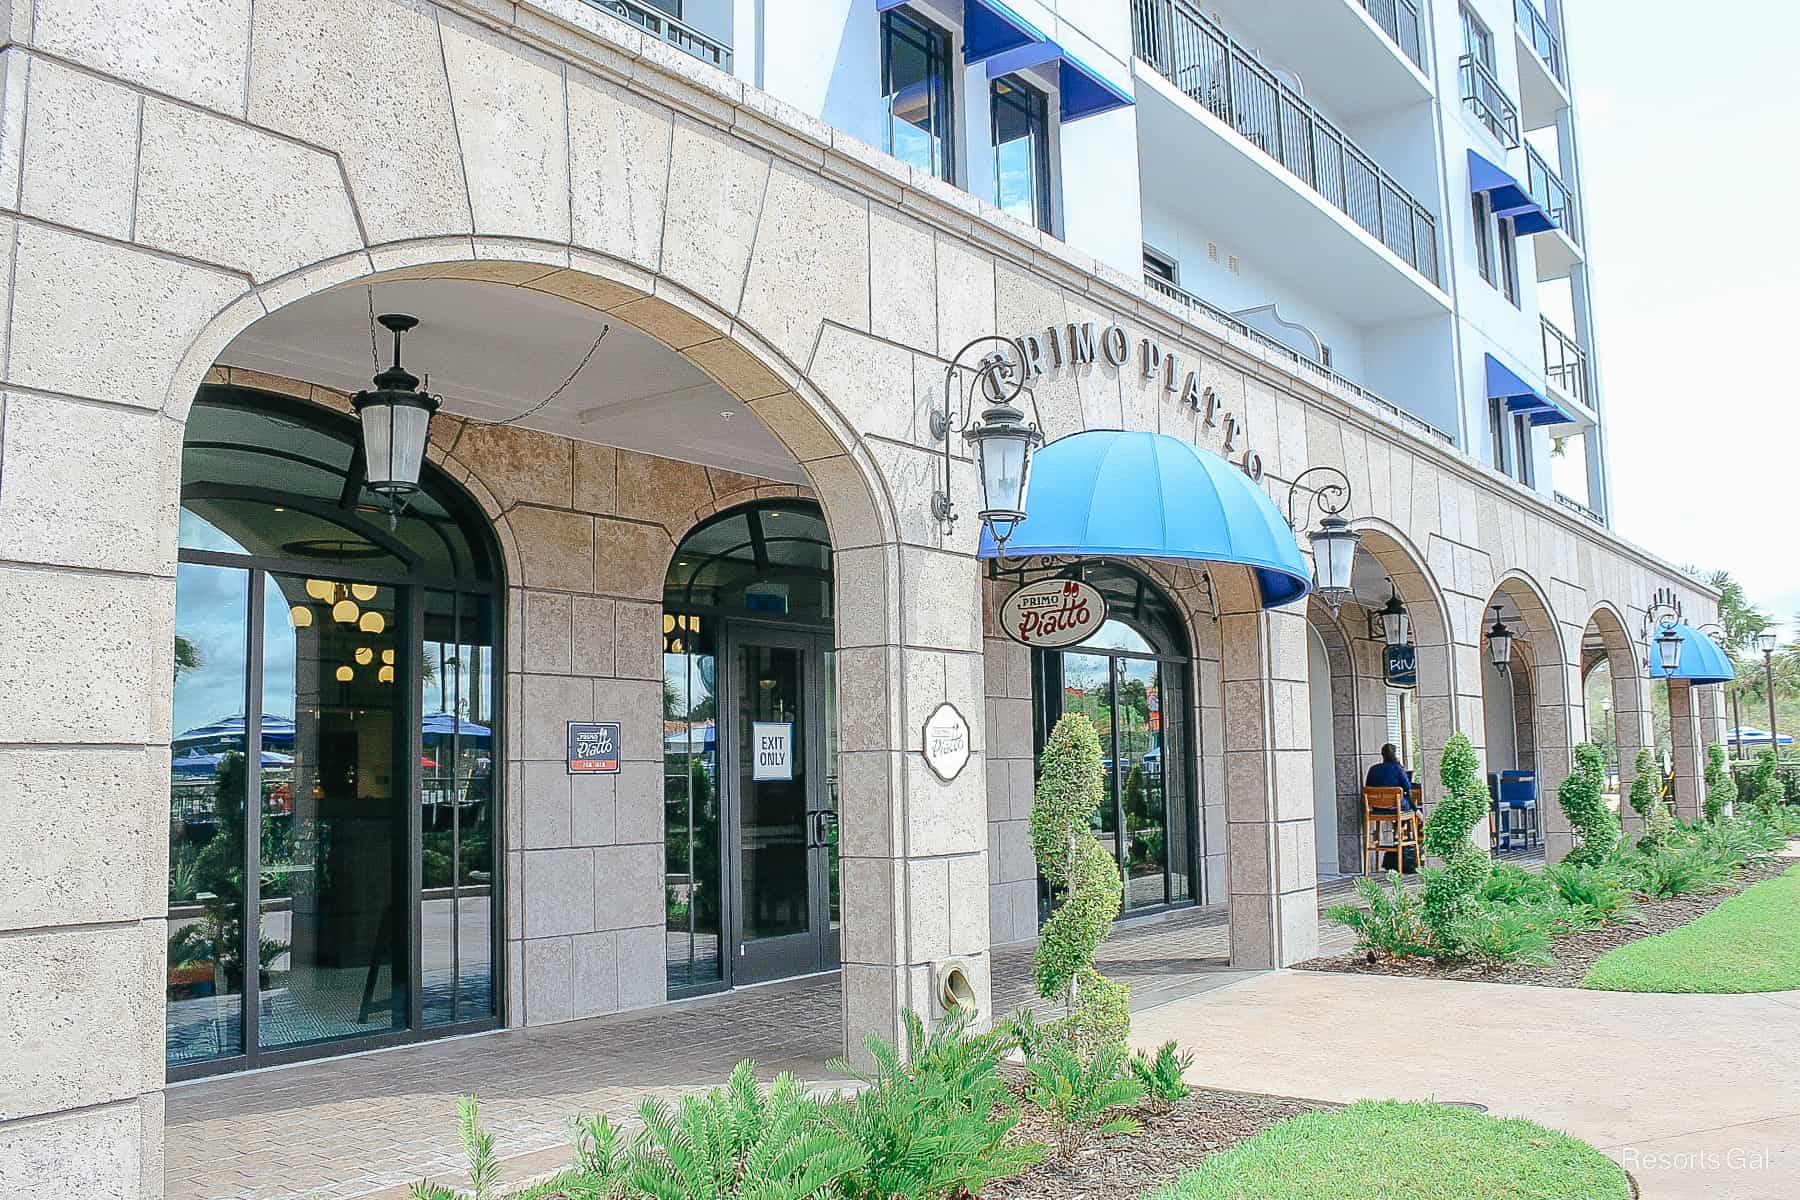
{"x":593,"y":747}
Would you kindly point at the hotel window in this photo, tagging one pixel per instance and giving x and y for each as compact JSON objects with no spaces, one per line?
{"x":1484,"y":237}
{"x":1478,"y":42}
{"x":1160,"y":268}
{"x":1497,"y":435}
{"x":1509,"y":260}
{"x":915,"y":80}
{"x":1522,"y":451}
{"x":1021,"y":121}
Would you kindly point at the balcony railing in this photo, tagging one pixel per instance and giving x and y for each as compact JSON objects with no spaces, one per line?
{"x":1484,"y":97}
{"x":1217,"y":73}
{"x":1400,"y":20}
{"x":1565,"y":363}
{"x":660,"y":25}
{"x":1574,"y":505}
{"x":1537,"y":31}
{"x":1548,"y":189}
{"x":1301,"y":362}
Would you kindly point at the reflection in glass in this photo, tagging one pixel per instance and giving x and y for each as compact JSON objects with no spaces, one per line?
{"x":1021,"y":150}
{"x":207,"y":792}
{"x":692,"y":894}
{"x":916,"y":86}
{"x":334,"y":829}
{"x":772,"y":856}
{"x":1087,"y":689}
{"x":456,"y":813}
{"x":770,"y":560}
{"x":1139,"y":762}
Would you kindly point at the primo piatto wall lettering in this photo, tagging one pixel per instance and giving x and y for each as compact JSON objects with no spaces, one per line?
{"x":1078,"y":344}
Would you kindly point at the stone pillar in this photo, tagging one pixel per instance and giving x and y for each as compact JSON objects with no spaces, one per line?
{"x":1632,"y":725}
{"x":1268,"y":779}
{"x":915,"y":860}
{"x":1711,"y":714}
{"x":88,"y":493}
{"x":1560,"y":719}
{"x":1684,"y":732}
{"x":1011,"y":779}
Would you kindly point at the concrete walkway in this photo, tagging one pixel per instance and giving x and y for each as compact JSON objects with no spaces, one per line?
{"x":1699,"y":1096}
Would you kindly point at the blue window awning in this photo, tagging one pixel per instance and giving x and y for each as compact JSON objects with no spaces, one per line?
{"x":1702,"y":661}
{"x":1523,"y":400}
{"x":996,"y":35}
{"x":1507,"y":197}
{"x":1106,"y":492}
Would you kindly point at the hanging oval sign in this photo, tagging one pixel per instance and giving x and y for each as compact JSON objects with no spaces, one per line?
{"x":1053,"y":612}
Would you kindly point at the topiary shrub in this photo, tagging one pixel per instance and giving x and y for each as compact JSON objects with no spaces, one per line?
{"x":1644,"y":787}
{"x":1069,"y":791}
{"x":1449,"y":890}
{"x":1596,"y":826}
{"x":1721,"y":788}
{"x":1762,"y":790}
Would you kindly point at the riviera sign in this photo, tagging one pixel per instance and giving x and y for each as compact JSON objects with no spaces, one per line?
{"x":1053,"y":612}
{"x":1078,"y":344}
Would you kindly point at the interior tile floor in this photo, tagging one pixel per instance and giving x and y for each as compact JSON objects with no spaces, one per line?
{"x":369,"y":1125}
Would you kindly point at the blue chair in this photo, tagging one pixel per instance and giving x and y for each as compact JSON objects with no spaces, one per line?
{"x":1518,"y":810}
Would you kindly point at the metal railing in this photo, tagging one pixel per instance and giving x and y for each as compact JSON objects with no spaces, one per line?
{"x":1574,"y":505}
{"x":1400,"y":20}
{"x":1565,"y":362}
{"x":1301,"y":362}
{"x":1483,"y":96}
{"x":1217,"y":73}
{"x":1548,"y":189}
{"x":1543,"y":39}
{"x":660,"y":25}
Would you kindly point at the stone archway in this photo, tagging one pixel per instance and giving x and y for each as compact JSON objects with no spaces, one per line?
{"x":1606,"y":643}
{"x":1555,"y":699}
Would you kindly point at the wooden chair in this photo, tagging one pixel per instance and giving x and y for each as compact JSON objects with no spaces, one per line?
{"x":1388,"y":829}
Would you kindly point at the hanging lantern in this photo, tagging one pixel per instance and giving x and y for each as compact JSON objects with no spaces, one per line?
{"x":300,"y":616}
{"x":364,"y":656}
{"x":1500,"y":643}
{"x":385,"y":675}
{"x":1334,"y":554}
{"x":1396,"y":623}
{"x":322,"y":590}
{"x":364,"y":592}
{"x":387,"y":657}
{"x":396,"y":419}
{"x":1668,"y":650}
{"x":345,"y":674}
{"x":345,"y":612}
{"x":372,"y":622}
{"x":1003,"y":442}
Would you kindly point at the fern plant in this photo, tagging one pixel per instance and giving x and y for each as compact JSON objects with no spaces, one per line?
{"x":932,"y":1123}
{"x":1505,"y":933}
{"x":740,"y":1142}
{"x":1163,"y":1076}
{"x":478,"y":1148}
{"x":602,"y":1157}
{"x":1388,"y":920}
{"x":1081,"y":1095}
{"x":1597,"y":894}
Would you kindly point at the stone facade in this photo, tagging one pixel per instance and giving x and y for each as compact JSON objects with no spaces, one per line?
{"x":234,"y":158}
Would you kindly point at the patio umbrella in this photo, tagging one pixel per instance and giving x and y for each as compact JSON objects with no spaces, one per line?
{"x":1749,"y":735}
{"x":199,"y":762}
{"x":274,"y":729}
{"x":444,"y":724}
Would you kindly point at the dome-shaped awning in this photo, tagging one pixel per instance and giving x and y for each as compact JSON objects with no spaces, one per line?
{"x":1149,"y":495}
{"x":1701,"y":659}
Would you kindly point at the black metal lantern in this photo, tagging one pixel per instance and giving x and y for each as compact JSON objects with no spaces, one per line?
{"x":1003,"y":442}
{"x":1396,"y":622}
{"x":396,"y":419}
{"x":1500,"y":643}
{"x":1333,"y":542}
{"x":1668,"y":649}
{"x":1767,"y":640}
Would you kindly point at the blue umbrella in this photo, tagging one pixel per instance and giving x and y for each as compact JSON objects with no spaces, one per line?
{"x":274,"y":729}
{"x":444,"y":724}
{"x":1749,"y":735}
{"x":199,"y":762}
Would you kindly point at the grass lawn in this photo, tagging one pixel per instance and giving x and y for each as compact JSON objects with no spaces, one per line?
{"x":1750,"y":943}
{"x":1377,"y":1150}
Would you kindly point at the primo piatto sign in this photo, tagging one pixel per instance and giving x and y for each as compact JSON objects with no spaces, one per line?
{"x":1079,"y":344}
{"x":1053,"y":612}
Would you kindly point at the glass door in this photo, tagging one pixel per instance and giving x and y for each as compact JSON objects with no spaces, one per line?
{"x":785,"y":823}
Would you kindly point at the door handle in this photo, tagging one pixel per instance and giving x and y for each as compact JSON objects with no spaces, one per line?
{"x":825,"y":824}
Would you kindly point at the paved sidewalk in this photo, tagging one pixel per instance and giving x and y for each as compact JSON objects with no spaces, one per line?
{"x":1699,"y":1096}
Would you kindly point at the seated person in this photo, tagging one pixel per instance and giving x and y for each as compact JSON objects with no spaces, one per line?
{"x":1388,"y":773}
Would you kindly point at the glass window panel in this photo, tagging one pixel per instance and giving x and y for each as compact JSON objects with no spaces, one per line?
{"x":1021,"y":150}
{"x":917,"y":89}
{"x":773,"y":851}
{"x":204,"y":987}
{"x":334,"y":870}
{"x":772,"y":561}
{"x":691,"y":823}
{"x":1087,"y":689}
{"x":1139,"y":737}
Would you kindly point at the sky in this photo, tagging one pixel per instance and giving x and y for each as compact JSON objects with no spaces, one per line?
{"x":1690,"y":135}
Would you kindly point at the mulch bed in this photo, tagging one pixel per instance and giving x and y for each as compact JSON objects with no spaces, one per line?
{"x":1574,"y":953}
{"x":1170,"y":1145}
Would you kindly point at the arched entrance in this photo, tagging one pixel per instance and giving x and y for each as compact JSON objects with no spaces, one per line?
{"x":750,"y":754}
{"x":333,"y":875}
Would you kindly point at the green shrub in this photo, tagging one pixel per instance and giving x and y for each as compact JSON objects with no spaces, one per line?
{"x":1498,"y":934}
{"x":1450,"y":890}
{"x":1076,"y":1093}
{"x":1677,"y":870}
{"x":1646,"y":786}
{"x":1596,"y":826}
{"x":1388,"y":921}
{"x":740,"y":1141}
{"x":1721,"y":788}
{"x":931,"y":1123}
{"x":1597,"y":893}
{"x":1163,"y":1076}
{"x":602,"y":1158}
{"x":1762,"y":790}
{"x":1509,"y":883}
{"x":1069,"y":791}
{"x":478,"y":1148}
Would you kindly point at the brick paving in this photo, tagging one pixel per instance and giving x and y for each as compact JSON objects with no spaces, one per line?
{"x":368,"y":1125}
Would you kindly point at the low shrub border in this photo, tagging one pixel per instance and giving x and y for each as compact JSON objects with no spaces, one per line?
{"x":1749,"y":943}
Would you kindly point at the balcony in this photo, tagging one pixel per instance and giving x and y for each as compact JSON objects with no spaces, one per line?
{"x":1349,"y":57}
{"x":1400,"y":20}
{"x":1558,"y":251}
{"x":1566,"y":365}
{"x":1543,"y":78}
{"x":1483,"y":96}
{"x":660,"y":25}
{"x":1227,"y":81}
{"x":1302,"y":364}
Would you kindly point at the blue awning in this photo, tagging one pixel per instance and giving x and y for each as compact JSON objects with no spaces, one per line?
{"x":1507,"y":197}
{"x":1148,"y":495}
{"x":996,"y":35}
{"x":1701,"y":659}
{"x":1521,"y":398}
